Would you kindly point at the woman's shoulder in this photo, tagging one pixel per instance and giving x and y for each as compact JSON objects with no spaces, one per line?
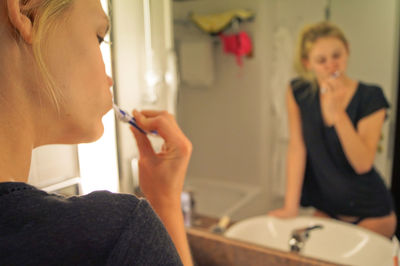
{"x":103,"y":205}
{"x":300,"y":84}
{"x":109,"y":203}
{"x":371,"y":92}
{"x":369,"y":88}
{"x":302,"y":90}
{"x":100,"y":226}
{"x":95,"y":206}
{"x":371,"y":98}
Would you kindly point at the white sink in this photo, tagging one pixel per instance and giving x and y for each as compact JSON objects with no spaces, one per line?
{"x":337,"y":242}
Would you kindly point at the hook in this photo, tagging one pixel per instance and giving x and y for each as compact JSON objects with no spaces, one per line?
{"x":236,"y":25}
{"x":328,"y":10}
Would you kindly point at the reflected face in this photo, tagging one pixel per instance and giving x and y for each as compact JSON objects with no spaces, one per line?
{"x":327,"y":55}
{"x":75,"y":61}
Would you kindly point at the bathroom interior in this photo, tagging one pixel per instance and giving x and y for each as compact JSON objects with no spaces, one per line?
{"x":234,"y":112}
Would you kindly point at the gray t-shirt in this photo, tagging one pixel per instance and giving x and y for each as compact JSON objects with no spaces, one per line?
{"x":101,"y":228}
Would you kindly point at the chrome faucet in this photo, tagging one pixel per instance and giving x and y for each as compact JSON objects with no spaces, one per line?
{"x":299,"y":237}
{"x":187,"y":203}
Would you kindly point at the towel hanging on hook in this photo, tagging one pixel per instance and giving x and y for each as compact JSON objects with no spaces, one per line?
{"x":214,"y":24}
{"x":238,"y":44}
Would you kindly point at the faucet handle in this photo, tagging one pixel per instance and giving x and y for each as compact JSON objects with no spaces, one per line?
{"x":299,"y":236}
{"x":317,"y":226}
{"x":187,"y":202}
{"x":311,"y":228}
{"x":305,"y":231}
{"x":302,"y":234}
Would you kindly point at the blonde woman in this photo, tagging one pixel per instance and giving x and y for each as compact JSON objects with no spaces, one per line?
{"x":335,"y":125}
{"x":54,"y":89}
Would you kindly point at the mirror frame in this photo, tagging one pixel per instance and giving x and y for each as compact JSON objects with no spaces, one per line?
{"x":395,"y":185}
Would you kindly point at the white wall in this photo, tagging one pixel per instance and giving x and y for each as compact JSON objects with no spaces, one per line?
{"x":225,"y":121}
{"x":219,"y":120}
{"x":52,"y":164}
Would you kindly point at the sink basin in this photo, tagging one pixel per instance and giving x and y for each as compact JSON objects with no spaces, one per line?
{"x":337,"y":242}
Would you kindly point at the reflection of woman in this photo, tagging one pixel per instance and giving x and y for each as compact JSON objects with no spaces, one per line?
{"x":54,"y":89}
{"x":335,"y":125}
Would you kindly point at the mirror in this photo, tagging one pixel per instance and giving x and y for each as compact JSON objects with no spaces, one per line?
{"x":236,"y":118}
{"x":236,"y":115}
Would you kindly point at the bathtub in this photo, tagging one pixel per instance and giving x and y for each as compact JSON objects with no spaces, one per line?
{"x":215,"y":198}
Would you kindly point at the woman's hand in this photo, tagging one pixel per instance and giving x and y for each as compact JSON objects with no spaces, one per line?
{"x":284,"y":213}
{"x":161,"y":175}
{"x":333,"y":94}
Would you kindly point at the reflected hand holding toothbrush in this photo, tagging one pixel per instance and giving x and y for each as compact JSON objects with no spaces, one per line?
{"x":335,"y":75}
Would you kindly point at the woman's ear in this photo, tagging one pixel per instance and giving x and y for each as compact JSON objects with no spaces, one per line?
{"x":21,"y":22}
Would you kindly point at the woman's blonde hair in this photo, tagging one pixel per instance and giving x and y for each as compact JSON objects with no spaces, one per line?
{"x":45,"y":15}
{"x":307,"y":38}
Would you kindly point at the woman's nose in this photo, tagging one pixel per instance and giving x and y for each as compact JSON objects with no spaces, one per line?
{"x":332,"y":65}
{"x":110,"y":81}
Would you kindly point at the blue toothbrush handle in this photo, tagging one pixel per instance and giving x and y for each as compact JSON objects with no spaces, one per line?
{"x":137,"y":127}
{"x":132,"y":122}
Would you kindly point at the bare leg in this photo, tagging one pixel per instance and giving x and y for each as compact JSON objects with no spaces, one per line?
{"x":385,"y":225}
{"x":319,"y":213}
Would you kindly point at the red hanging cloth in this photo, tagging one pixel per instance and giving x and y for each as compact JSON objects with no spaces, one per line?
{"x":238,"y":44}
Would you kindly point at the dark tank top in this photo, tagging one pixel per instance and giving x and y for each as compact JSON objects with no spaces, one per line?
{"x":330,"y":183}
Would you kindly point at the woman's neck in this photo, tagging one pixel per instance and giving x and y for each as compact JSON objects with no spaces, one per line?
{"x":15,"y":154}
{"x":20,"y":125}
{"x":16,"y":125}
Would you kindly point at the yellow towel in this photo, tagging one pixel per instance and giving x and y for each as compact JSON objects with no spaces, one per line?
{"x":215,"y":23}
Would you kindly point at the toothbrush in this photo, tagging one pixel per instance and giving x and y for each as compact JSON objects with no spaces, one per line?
{"x":127,"y":118}
{"x":336,"y":74}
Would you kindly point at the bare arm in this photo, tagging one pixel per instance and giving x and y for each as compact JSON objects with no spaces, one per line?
{"x":360,"y":145}
{"x":162,"y":174}
{"x":296,"y":160}
{"x":296,"y":156}
{"x":171,"y":215}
